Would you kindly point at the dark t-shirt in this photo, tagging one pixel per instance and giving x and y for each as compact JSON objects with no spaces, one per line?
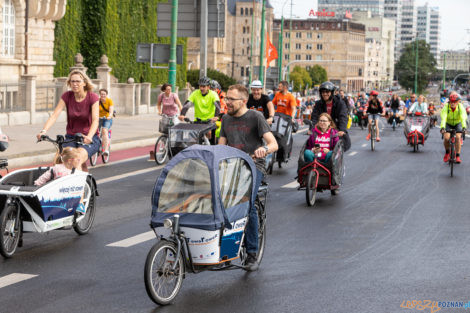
{"x":245,"y":133}
{"x":260,"y":103}
{"x":79,"y":113}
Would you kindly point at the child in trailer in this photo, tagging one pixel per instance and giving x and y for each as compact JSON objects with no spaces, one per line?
{"x":64,"y":164}
{"x":322,"y":141}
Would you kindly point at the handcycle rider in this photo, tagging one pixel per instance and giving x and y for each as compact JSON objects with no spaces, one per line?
{"x":453,"y":117}
{"x":82,"y":106}
{"x":246,"y":129}
{"x":206,"y":103}
{"x":419,"y":106}
{"x":106,"y":118}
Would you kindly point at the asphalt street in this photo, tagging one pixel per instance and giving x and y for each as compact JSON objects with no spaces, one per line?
{"x":397,"y":232}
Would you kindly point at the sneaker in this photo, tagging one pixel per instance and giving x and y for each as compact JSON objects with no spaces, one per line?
{"x":446,"y":157}
{"x":251,"y":263}
{"x":457,"y":159}
{"x":377,"y":139}
{"x":368,"y":137}
{"x":81,"y":209}
{"x":106,"y":153}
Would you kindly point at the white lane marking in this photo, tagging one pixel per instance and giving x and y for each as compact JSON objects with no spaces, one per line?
{"x":135,"y":240}
{"x":364,"y":145}
{"x":122,"y":161}
{"x":14,"y":278}
{"x":293,"y":184}
{"x":125,"y":175}
{"x":353,"y":153}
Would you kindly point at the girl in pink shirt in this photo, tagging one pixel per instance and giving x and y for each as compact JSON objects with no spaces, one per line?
{"x":322,"y":141}
{"x":64,"y":163}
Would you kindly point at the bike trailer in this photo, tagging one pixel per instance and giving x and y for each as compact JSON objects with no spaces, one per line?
{"x":212,"y":189}
{"x":184,"y":135}
{"x":282,"y":131}
{"x":419,"y":125}
{"x":50,"y":206}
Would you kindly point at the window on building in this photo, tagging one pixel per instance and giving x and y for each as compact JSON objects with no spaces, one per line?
{"x":297,"y":56}
{"x":246,"y":11}
{"x":287,"y":35}
{"x":359,"y":73}
{"x":298,"y":46}
{"x":243,"y":51}
{"x":319,"y":36}
{"x":251,"y":11}
{"x":8,"y":38}
{"x":241,"y":11}
{"x":243,"y":40}
{"x":319,"y":46}
{"x":242,"y":71}
{"x":286,"y":46}
{"x":286,"y":57}
{"x":308,"y":57}
{"x":309,"y":46}
{"x":309,"y":35}
{"x":244,"y":29}
{"x":298,"y":35}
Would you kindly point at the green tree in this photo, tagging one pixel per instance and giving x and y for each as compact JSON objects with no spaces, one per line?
{"x":300,"y":78}
{"x":318,"y":74}
{"x":405,"y":67}
{"x":224,"y":80}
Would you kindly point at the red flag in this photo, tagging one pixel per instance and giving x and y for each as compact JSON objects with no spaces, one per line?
{"x":271,"y":52}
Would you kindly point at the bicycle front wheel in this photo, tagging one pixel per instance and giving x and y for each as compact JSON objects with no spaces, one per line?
{"x":311,"y":190}
{"x":261,"y":231}
{"x":161,"y":150}
{"x":84,"y":223}
{"x":105,"y":156}
{"x":93,"y":159}
{"x":10,"y":230}
{"x":162,"y":282}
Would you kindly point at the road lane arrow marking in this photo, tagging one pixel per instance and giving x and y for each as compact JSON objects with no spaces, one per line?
{"x":14,"y":278}
{"x":353,"y":153}
{"x":134,"y":240}
{"x":364,"y":145}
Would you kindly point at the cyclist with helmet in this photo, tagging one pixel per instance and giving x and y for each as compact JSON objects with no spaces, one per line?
{"x":259,"y":100}
{"x":284,"y":101}
{"x":205,"y":101}
{"x":453,"y":117}
{"x":374,"y":108}
{"x":215,"y":86}
{"x":336,"y":108}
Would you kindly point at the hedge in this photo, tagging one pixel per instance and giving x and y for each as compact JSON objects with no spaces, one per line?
{"x":114,"y":28}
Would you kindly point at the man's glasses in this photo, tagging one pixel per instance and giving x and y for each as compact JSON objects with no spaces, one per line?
{"x":228,"y":99}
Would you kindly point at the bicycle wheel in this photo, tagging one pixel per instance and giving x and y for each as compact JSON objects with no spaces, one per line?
{"x":84,"y":223}
{"x":261,"y":231}
{"x":10,"y":230}
{"x":94,"y":158}
{"x":161,"y":281}
{"x":311,"y":190}
{"x":452,"y":157}
{"x":161,"y":149}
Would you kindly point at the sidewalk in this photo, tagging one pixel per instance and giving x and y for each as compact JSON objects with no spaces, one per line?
{"x":127,"y":132}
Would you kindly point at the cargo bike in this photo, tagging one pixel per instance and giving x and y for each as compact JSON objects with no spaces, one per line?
{"x":200,"y":211}
{"x":416,"y":131}
{"x":25,"y":207}
{"x":282,"y":128}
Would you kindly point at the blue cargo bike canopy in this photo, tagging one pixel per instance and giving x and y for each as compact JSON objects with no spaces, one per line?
{"x":207,"y":186}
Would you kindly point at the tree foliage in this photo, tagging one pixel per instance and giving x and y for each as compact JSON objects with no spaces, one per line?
{"x":114,"y":28}
{"x":318,"y":74}
{"x":224,"y":80}
{"x":405,"y":68}
{"x":300,"y":78}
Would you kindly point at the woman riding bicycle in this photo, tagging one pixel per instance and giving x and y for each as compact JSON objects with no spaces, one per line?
{"x":453,"y":117}
{"x":82,"y":115}
{"x":106,"y":118}
{"x":169,"y":103}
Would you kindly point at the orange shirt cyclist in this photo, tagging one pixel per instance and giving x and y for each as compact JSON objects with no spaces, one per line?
{"x":284,"y":100}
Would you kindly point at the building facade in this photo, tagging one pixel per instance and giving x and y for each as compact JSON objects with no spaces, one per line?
{"x":336,"y":45}
{"x":382,"y":31}
{"x":429,"y":28}
{"x":231,"y":55}
{"x":340,"y":7}
{"x":457,"y":60}
{"x":372,"y":67}
{"x":409,"y":18}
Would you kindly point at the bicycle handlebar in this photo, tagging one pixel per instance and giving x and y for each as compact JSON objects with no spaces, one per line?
{"x":60,"y":140}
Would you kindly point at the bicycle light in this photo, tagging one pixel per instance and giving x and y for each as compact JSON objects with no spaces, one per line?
{"x":167,"y":223}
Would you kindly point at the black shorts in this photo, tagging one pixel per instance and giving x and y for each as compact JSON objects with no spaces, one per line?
{"x":91,"y":148}
{"x":458,"y":127}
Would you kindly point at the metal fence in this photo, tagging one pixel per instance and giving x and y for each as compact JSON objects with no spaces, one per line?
{"x":12,"y":97}
{"x":47,"y":96}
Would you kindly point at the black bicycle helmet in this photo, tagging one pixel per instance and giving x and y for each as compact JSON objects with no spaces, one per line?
{"x":215,"y":84}
{"x":327,"y":86}
{"x":204,"y":81}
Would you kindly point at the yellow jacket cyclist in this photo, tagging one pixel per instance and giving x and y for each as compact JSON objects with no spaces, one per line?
{"x":453,"y":117}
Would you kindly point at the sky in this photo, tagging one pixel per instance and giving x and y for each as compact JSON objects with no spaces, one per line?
{"x":455,"y":18}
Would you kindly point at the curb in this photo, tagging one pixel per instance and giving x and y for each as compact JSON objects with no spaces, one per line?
{"x":45,"y":157}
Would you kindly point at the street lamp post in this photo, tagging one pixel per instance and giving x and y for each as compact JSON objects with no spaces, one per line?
{"x":416,"y":66}
{"x":281,"y":36}
{"x":261,"y":48}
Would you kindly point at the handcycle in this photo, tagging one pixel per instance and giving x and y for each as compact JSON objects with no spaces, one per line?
{"x":175,"y":138}
{"x":416,"y":130}
{"x":200,"y":210}
{"x":318,"y":176}
{"x":104,"y":156}
{"x":29,"y":208}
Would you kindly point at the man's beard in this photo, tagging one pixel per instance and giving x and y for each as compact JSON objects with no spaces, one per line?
{"x":234,"y":112}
